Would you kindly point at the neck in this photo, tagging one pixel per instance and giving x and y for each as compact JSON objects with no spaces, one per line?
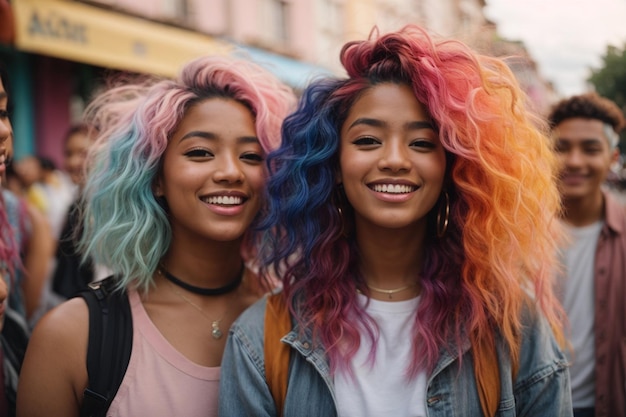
{"x":202,"y":266}
{"x":204,"y":291}
{"x":391,"y":262}
{"x":583,"y":211}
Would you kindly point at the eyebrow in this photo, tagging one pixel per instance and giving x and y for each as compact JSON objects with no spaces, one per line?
{"x":416,"y":125}
{"x":212,"y":136}
{"x":588,"y":141}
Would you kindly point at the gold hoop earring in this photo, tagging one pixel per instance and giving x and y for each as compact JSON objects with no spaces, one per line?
{"x":442,"y":225}
{"x":339,"y":201}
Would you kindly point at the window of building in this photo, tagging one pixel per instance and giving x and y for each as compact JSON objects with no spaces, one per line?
{"x":275,"y":18}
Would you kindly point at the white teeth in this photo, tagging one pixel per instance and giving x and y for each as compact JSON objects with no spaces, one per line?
{"x":393,"y":188}
{"x":224,"y":200}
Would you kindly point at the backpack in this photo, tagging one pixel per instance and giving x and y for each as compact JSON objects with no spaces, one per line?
{"x":110,"y":344}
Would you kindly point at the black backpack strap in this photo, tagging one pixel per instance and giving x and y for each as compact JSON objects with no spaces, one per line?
{"x":110,"y":344}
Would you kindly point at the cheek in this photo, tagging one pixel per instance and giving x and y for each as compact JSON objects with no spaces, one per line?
{"x":433,"y":169}
{"x":257,"y":178}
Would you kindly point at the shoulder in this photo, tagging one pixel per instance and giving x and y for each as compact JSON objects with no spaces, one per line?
{"x":615,"y":212}
{"x":247,"y":338}
{"x":15,"y":207}
{"x":251,"y":322}
{"x":66,"y":325}
{"x":54,"y":373}
{"x":540,"y":352}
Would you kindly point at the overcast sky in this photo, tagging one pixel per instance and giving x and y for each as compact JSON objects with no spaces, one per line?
{"x":565,"y":37}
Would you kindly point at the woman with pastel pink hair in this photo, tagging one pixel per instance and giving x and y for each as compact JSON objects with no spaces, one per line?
{"x":174,"y":187}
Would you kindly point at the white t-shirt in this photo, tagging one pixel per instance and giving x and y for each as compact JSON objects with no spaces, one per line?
{"x":381,"y":387}
{"x":576,"y":292}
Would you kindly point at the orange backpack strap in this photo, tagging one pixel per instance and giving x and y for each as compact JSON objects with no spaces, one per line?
{"x":277,"y":324}
{"x":487,"y":376}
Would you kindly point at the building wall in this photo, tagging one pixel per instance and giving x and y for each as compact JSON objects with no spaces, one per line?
{"x":299,"y":36}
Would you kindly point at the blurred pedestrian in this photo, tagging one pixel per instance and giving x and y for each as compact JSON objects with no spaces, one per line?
{"x":16,"y":249}
{"x":72,"y":272}
{"x":412,"y":220}
{"x":28,"y":242}
{"x":59,"y":191}
{"x":30,"y":173}
{"x":593,"y":285}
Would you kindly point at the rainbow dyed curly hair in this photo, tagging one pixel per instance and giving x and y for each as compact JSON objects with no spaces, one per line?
{"x":503,"y":235}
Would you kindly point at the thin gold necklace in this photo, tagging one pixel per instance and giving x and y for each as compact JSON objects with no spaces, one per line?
{"x":216,"y":332}
{"x":390,"y":292}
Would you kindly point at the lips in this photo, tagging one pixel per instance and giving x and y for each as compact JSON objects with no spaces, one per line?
{"x":573,"y":179}
{"x":3,"y":165}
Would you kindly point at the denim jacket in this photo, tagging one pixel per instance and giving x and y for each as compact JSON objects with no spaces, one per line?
{"x":541,"y":387}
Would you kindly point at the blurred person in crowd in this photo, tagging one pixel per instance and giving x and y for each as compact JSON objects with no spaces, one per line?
{"x":30,"y":173}
{"x":73,"y":273}
{"x":412,"y":220}
{"x":27,"y":243}
{"x":176,"y":180}
{"x":18,"y":250}
{"x":593,"y":285}
{"x":60,"y":192}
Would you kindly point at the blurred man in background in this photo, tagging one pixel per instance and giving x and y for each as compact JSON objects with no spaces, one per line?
{"x":593,"y":285}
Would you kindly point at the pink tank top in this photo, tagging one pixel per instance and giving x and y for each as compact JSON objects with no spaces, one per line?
{"x":160,"y":381}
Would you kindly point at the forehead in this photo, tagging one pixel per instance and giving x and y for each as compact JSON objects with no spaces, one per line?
{"x":215,"y":109}
{"x":215,"y":119}
{"x":580,"y":130}
{"x":389,"y":101}
{"x":78,"y":139}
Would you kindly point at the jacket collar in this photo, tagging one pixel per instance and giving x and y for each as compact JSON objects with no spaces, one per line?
{"x":613,"y":213}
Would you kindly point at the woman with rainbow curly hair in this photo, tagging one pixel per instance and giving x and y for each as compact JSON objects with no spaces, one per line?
{"x":412,"y":221}
{"x":176,"y":179}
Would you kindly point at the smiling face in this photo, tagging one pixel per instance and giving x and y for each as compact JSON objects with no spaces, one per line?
{"x":5,"y":131}
{"x":213,"y":172}
{"x":76,"y":148}
{"x":392,"y":164}
{"x":585,"y":157}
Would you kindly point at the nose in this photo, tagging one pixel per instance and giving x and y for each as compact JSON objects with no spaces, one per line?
{"x":228,"y":169}
{"x":395,"y":156}
{"x":573,"y":158}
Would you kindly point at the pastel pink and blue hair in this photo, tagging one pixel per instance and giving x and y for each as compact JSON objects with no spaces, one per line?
{"x":126,"y":228}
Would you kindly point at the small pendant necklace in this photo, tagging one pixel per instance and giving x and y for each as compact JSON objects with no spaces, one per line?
{"x":390,"y":293}
{"x":216,"y":332}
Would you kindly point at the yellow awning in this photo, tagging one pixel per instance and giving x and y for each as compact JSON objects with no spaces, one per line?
{"x":83,"y":33}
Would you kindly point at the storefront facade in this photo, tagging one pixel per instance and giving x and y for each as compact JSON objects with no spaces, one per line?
{"x":63,"y":49}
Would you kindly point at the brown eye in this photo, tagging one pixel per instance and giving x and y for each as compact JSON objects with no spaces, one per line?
{"x":254,"y":157}
{"x":198,"y":153}
{"x":366,"y":141}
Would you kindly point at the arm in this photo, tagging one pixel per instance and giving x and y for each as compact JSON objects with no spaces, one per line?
{"x":54,"y":372}
{"x":542,"y":386}
{"x":38,"y":255}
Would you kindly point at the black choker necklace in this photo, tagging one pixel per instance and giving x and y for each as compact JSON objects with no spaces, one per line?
{"x":200,"y":290}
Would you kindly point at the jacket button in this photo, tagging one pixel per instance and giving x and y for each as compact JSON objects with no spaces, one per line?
{"x":306,"y":345}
